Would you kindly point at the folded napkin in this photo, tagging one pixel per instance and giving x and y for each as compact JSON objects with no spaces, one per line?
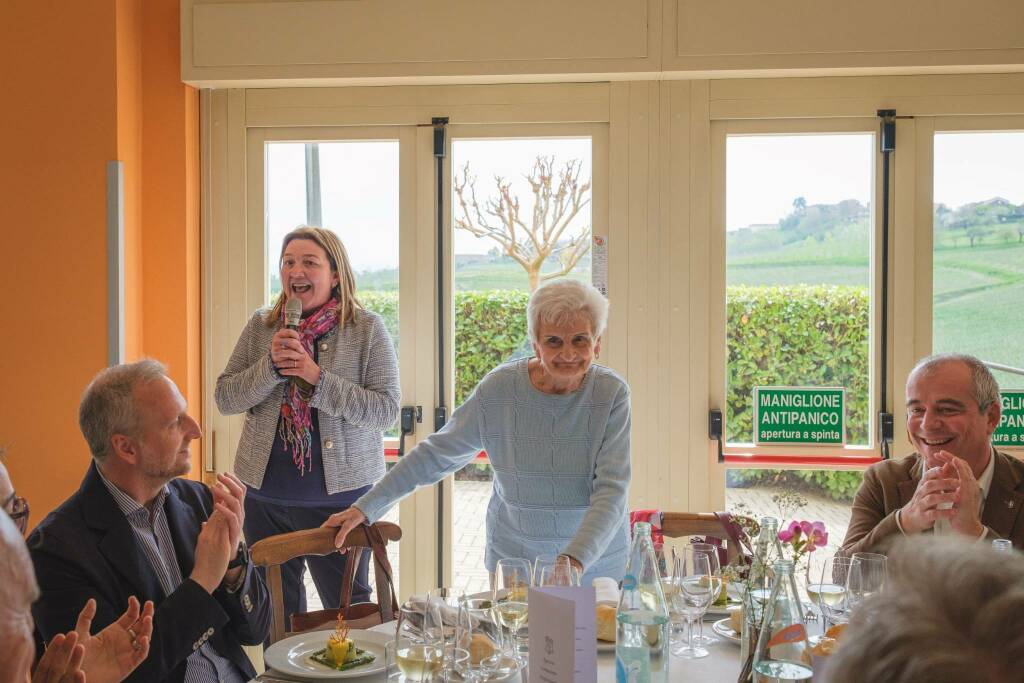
{"x":607,"y":590}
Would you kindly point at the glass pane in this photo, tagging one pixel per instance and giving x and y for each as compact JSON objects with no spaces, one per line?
{"x":978,"y":278}
{"x":521,"y":215}
{"x":798,"y":270}
{"x":357,"y":198}
{"x":798,"y":234}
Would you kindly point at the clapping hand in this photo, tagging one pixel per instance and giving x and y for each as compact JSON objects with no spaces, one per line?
{"x":967,"y":507}
{"x":214,"y":548}
{"x":61,"y":662}
{"x":117,"y":650}
{"x":939,"y":486}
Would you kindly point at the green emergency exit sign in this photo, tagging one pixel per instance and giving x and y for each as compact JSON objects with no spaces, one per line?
{"x":1010,"y":431}
{"x":800,"y":416}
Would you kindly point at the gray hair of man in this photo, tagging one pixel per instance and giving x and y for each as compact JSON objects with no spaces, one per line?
{"x":108,"y":407}
{"x":18,"y":590}
{"x":561,"y":301}
{"x":984,"y":387}
{"x":952,"y":611}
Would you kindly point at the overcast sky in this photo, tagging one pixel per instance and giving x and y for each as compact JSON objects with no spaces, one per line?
{"x":764,"y":174}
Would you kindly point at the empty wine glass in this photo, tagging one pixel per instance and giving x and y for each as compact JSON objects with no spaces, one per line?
{"x":511,"y":584}
{"x":716,"y":569}
{"x":696,"y":588}
{"x":477,"y":654}
{"x":559,"y":573}
{"x":870,"y":579}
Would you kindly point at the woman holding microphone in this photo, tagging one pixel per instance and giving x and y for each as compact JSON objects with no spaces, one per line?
{"x":317,"y":396}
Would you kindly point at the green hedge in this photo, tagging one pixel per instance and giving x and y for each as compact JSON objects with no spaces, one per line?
{"x":795,"y":335}
{"x":836,"y":484}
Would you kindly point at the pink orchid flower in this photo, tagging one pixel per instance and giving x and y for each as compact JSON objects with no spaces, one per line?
{"x":816,"y":535}
{"x":792,"y":531}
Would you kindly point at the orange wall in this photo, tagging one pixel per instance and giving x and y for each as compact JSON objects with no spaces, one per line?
{"x":170,"y":208}
{"x":85,"y":83}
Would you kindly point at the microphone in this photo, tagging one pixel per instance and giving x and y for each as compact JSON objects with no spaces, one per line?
{"x":292,"y":313}
{"x":292,"y":316}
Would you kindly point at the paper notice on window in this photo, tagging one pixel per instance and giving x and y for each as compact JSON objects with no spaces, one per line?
{"x":599,"y":263}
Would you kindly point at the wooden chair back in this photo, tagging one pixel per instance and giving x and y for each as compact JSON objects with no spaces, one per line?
{"x":273,"y":551}
{"x":681,"y":524}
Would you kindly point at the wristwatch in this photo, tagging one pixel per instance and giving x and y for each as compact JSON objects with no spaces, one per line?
{"x":241,"y":558}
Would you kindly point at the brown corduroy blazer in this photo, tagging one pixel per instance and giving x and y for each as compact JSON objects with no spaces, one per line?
{"x":890,"y":484}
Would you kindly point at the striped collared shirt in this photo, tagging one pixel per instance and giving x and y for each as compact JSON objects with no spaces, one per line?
{"x":204,"y":665}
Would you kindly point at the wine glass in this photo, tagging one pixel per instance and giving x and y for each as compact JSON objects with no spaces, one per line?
{"x":477,"y":653}
{"x":870,"y":579}
{"x":511,"y":584}
{"x":417,"y":653}
{"x":558,"y":573}
{"x":441,"y":611}
{"x":716,"y":569}
{"x":829,"y":592}
{"x":696,"y":588}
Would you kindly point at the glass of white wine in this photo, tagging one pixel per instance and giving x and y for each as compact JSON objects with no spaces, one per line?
{"x":511,"y":585}
{"x":415,"y":653}
{"x":817,"y":588}
{"x":830,"y":592}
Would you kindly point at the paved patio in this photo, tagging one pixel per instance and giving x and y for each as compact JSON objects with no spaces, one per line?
{"x":471,"y":504}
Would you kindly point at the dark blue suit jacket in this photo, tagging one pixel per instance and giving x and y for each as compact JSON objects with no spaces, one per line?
{"x":87,"y":549}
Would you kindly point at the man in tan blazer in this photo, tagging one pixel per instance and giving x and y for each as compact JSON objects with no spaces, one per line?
{"x":967,"y":487}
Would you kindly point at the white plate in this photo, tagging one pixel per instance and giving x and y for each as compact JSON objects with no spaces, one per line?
{"x":291,"y":655}
{"x":721,"y":629}
{"x":721,"y":610}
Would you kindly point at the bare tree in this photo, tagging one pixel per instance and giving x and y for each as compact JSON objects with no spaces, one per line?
{"x":558,"y":197}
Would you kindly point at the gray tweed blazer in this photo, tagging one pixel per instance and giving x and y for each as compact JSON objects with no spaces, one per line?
{"x":357,"y":397}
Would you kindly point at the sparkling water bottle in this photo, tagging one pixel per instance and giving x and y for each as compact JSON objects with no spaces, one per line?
{"x":641,"y":645}
{"x":782,"y":647}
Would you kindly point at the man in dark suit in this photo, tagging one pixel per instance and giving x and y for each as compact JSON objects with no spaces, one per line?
{"x":956,"y":482}
{"x":135,"y":528}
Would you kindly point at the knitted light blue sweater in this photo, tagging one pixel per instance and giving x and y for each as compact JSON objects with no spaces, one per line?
{"x":561,"y":467}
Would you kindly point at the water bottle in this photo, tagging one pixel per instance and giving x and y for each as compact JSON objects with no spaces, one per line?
{"x":767,"y":549}
{"x":1002,"y":545}
{"x":642,"y":630}
{"x":782,"y":647}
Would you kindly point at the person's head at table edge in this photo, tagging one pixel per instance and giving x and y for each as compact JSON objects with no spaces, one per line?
{"x":953,"y":406}
{"x":952,"y":612}
{"x":565,"y":321}
{"x":314,"y":268}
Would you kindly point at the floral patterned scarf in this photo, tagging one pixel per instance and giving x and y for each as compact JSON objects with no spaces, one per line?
{"x":296,"y":417}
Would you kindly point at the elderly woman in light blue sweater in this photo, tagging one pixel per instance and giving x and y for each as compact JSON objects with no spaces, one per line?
{"x":556,"y":430}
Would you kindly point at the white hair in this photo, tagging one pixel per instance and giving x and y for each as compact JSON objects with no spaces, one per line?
{"x":560,"y":301}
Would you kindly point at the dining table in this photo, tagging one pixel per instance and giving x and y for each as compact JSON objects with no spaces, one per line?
{"x":722,"y":665}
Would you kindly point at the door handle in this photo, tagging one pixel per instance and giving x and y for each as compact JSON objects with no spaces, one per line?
{"x":410,"y":416}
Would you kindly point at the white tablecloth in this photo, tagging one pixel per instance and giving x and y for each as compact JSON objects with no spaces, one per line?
{"x":722,"y":665}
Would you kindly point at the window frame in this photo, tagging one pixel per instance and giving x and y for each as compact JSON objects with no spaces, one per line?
{"x":790,"y":457}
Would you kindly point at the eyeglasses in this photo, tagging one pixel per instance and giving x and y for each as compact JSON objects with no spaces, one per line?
{"x":17,"y":507}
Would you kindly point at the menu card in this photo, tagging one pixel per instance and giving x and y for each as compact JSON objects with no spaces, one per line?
{"x":563,"y":634}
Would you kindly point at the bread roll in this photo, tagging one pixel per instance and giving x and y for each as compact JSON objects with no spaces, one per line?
{"x":606,"y":623}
